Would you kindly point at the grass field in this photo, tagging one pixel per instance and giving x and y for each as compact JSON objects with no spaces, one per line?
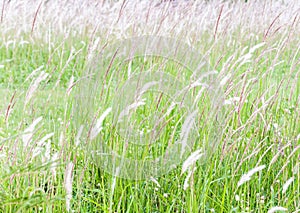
{"x":46,"y":49}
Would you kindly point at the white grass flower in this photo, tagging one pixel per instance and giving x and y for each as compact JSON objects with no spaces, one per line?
{"x":133,"y":106}
{"x":287,"y":184}
{"x":36,"y":151}
{"x":247,"y":177}
{"x":252,"y":50}
{"x":68,"y":184}
{"x":70,"y":86}
{"x":28,"y":132}
{"x":276,"y":209}
{"x":113,"y":185}
{"x":92,"y":49}
{"x":41,"y":145}
{"x":2,"y":155}
{"x":61,"y":139}
{"x":233,"y":101}
{"x":187,"y":179}
{"x":170,"y":108}
{"x":54,"y":159}
{"x":230,"y":101}
{"x":191,"y":160}
{"x":155,"y":181}
{"x":185,"y":130}
{"x":34,"y":85}
{"x":129,"y":68}
{"x":199,"y":82}
{"x":146,"y":87}
{"x":9,"y":42}
{"x":225,"y":79}
{"x":45,"y":138}
{"x":46,"y":156}
{"x":77,"y":138}
{"x":98,"y":127}
{"x":33,"y":73}
{"x":21,"y":43}
{"x":245,"y":58}
{"x":296,"y":168}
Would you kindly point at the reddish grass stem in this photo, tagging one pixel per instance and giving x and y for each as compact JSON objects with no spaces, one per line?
{"x":35,"y":16}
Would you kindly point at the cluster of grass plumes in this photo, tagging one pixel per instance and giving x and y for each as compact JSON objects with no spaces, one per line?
{"x":121,"y":19}
{"x":45,"y":47}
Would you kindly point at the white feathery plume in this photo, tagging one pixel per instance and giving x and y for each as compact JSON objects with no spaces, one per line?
{"x":36,"y":152}
{"x":186,"y":181}
{"x":199,"y":82}
{"x":287,"y":184}
{"x":233,"y":100}
{"x":256,"y":47}
{"x":43,"y":76}
{"x":45,"y":138}
{"x":191,"y":160}
{"x":170,"y":108}
{"x":125,"y":111}
{"x":98,"y":127}
{"x":77,"y":138}
{"x":296,"y":168}
{"x":47,"y":156}
{"x":113,"y":185}
{"x":61,"y":139}
{"x":225,"y":79}
{"x":68,"y":184}
{"x":34,"y":72}
{"x":146,"y":87}
{"x":70,"y":86}
{"x":155,"y":181}
{"x":28,"y":132}
{"x":92,"y":49}
{"x":277,"y":208}
{"x":186,"y":128}
{"x":39,"y":147}
{"x":247,"y":177}
{"x":54,"y":159}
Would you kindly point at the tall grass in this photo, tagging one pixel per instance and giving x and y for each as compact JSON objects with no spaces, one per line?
{"x":45,"y":49}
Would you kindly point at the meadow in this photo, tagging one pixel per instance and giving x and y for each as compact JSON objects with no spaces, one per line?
{"x":47,"y":50}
